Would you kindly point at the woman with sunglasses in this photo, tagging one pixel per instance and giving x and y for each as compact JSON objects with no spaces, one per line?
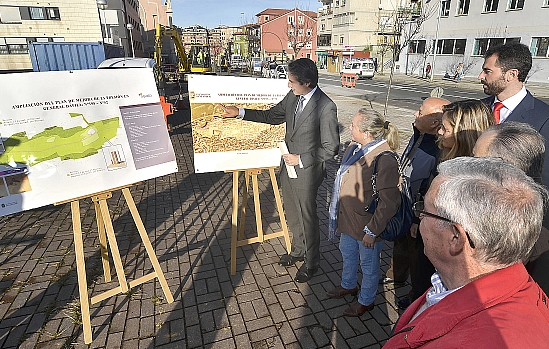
{"x":352,"y":192}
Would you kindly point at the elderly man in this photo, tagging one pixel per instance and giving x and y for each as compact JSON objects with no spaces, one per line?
{"x":521,"y":145}
{"x":480,"y":219}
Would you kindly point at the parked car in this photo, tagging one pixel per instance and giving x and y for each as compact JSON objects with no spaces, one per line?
{"x":280,"y":72}
{"x":362,"y":69}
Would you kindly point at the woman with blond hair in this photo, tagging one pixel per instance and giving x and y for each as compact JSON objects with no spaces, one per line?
{"x":352,"y":193}
{"x":462,"y":124}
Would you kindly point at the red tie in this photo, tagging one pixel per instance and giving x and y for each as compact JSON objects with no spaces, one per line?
{"x":497,"y":108}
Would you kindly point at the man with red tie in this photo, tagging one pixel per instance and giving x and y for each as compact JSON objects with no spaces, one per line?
{"x":503,"y":74}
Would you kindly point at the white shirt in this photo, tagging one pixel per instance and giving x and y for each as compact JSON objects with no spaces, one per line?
{"x":509,"y":104}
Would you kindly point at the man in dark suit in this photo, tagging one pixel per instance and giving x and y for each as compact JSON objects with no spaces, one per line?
{"x":312,"y":137}
{"x":503,"y":74}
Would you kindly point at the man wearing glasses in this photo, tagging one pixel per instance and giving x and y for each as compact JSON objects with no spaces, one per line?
{"x":479,"y":220}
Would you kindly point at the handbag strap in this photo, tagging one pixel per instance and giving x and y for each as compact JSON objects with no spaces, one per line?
{"x":374,"y":174}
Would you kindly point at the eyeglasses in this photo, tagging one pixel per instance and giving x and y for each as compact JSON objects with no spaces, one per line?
{"x":419,"y":210}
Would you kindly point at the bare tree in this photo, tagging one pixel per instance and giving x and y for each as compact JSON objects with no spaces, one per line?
{"x":535,"y":68}
{"x":407,"y":24}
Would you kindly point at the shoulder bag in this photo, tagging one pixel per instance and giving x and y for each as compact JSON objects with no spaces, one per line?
{"x":401,"y":222}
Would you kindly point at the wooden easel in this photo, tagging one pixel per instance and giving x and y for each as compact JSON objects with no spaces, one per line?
{"x":107,"y":237}
{"x":238,"y":240}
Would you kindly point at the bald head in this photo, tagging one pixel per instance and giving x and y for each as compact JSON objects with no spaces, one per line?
{"x":429,"y":115}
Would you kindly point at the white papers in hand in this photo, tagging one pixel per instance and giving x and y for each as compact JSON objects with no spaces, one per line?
{"x":284,"y":150}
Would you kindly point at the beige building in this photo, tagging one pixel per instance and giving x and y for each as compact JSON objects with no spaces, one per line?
{"x":350,"y":29}
{"x":48,"y":21}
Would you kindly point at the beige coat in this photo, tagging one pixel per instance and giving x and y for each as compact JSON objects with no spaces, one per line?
{"x":356,"y":194}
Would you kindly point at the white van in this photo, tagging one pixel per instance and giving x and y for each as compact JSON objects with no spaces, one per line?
{"x":362,"y":69}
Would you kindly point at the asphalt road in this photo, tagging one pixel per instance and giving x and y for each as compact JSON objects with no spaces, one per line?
{"x":404,"y":94}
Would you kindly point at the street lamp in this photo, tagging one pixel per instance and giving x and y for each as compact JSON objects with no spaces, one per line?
{"x":101,"y":5}
{"x":129,"y":26}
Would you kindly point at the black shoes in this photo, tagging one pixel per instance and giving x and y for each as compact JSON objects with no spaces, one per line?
{"x":404,"y":303}
{"x":305,"y":274}
{"x":287,"y":260}
{"x":340,"y":292}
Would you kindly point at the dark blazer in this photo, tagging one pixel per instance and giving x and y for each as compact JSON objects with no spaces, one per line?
{"x":315,"y":137}
{"x":534,"y":112}
{"x":356,"y":194}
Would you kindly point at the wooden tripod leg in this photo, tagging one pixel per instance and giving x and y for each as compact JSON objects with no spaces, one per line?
{"x":257,"y":205}
{"x":81,"y":271}
{"x":280,"y":210}
{"x":242,"y":222}
{"x":234,"y":225}
{"x":102,"y":242}
{"x":112,"y":243}
{"x":148,"y":245}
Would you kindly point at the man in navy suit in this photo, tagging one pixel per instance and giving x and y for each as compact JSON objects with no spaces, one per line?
{"x":503,"y":74}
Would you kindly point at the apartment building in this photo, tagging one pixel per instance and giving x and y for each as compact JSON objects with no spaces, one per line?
{"x":465,"y":29}
{"x":118,"y":24}
{"x":287,"y":34}
{"x":350,"y":29}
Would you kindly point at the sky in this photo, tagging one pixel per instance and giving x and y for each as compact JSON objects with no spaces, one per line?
{"x":212,"y":13}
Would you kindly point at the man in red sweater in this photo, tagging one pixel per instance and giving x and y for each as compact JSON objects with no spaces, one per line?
{"x":480,"y":219}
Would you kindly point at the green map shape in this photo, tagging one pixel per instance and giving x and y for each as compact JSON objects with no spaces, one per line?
{"x":56,"y":142}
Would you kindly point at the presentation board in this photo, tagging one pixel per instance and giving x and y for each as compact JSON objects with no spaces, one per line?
{"x":222,"y":144}
{"x":69,"y":134}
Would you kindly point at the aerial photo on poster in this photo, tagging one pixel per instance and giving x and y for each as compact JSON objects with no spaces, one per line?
{"x":76,"y":133}
{"x":223,"y":144}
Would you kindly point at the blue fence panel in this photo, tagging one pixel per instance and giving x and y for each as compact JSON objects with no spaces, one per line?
{"x":48,"y":56}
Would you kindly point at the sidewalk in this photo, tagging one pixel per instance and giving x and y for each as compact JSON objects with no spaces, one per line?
{"x":187,"y":216}
{"x":539,"y":90}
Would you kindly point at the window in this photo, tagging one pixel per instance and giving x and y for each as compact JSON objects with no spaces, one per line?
{"x":545,"y":2}
{"x":324,"y":40}
{"x":323,"y":26}
{"x":10,"y":14}
{"x":341,"y":40}
{"x":539,"y":47}
{"x":40,"y":13}
{"x":300,"y":19}
{"x":463,"y":7}
{"x":289,"y":44}
{"x":309,"y":45}
{"x":451,"y":46}
{"x":53,"y":13}
{"x":445,"y":8}
{"x":266,"y":18}
{"x":483,"y":44}
{"x":36,"y":13}
{"x":300,"y":32}
{"x":417,"y":46}
{"x":516,"y":4}
{"x":491,"y":6}
{"x":290,"y":20}
{"x":309,"y":32}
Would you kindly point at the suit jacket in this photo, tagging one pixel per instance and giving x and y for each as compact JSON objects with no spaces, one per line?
{"x":356,"y":194}
{"x":534,"y":112}
{"x":315,"y":137}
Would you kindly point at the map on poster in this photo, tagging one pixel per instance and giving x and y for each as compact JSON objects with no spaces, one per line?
{"x":232,"y":144}
{"x":69,"y":134}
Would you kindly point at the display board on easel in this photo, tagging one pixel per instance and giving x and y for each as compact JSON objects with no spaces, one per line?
{"x":238,"y":146}
{"x":73,"y":135}
{"x":69,"y":134}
